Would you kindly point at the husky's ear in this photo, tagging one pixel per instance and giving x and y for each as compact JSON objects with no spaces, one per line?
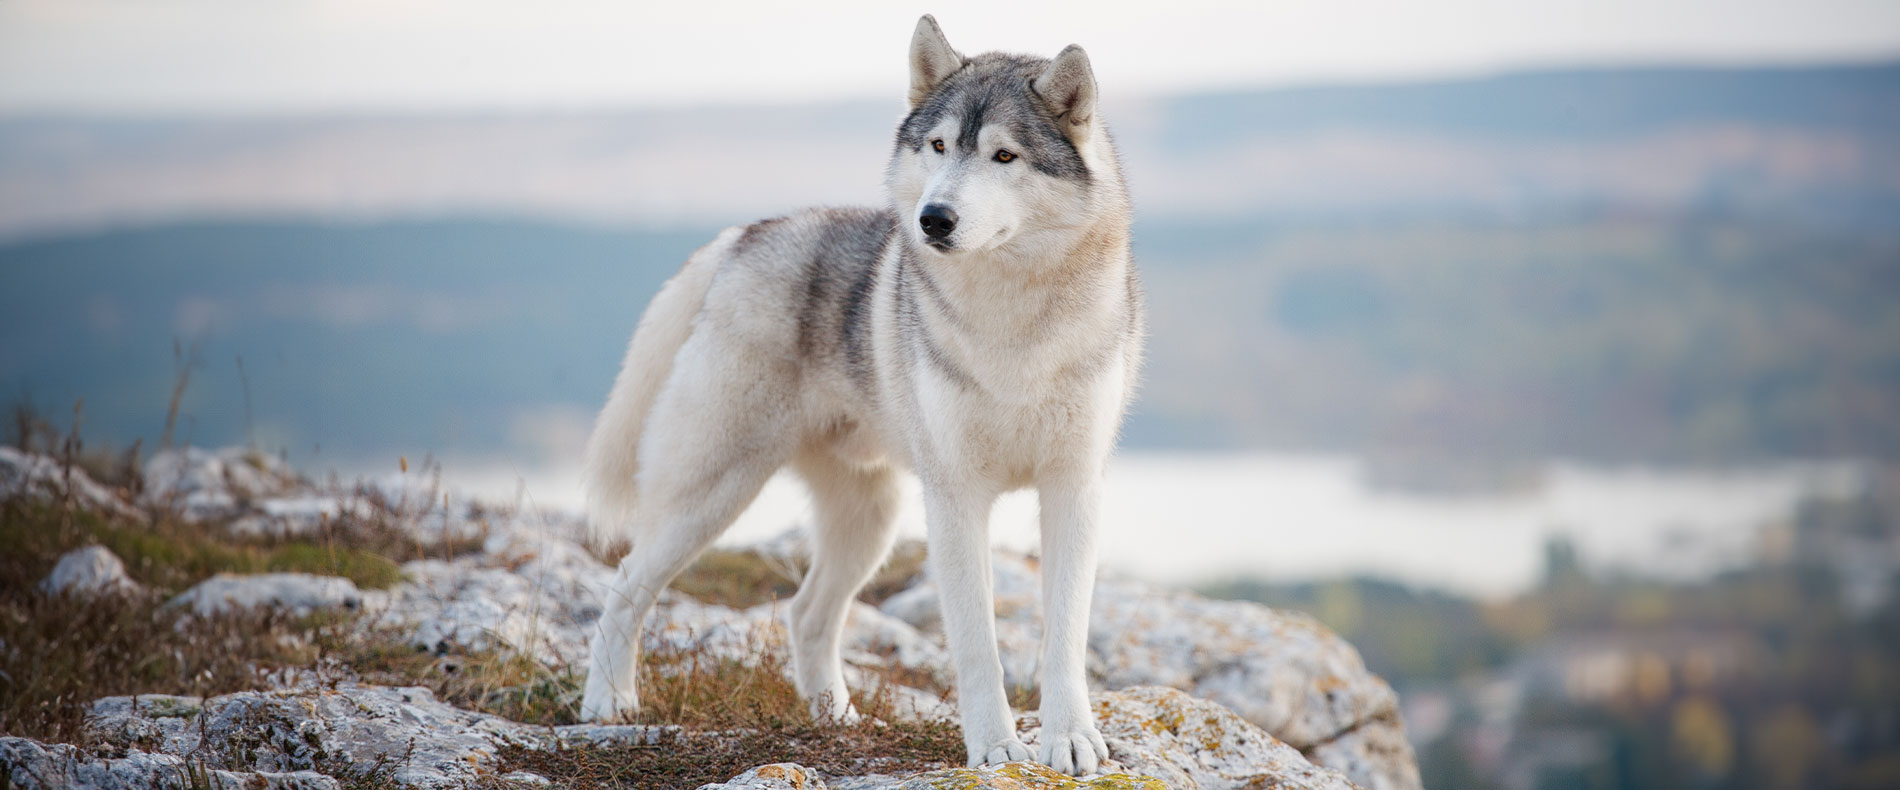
{"x":1067,"y":86}
{"x":931,"y":59}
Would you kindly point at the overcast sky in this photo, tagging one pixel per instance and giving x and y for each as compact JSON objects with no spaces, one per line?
{"x":424,"y":55}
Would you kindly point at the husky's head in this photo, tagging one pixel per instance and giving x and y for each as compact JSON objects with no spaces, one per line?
{"x":999,"y":151}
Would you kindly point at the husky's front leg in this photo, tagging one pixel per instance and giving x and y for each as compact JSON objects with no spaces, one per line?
{"x":1070,"y":741}
{"x":960,"y":560}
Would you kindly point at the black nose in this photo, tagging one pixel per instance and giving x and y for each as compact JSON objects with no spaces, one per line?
{"x":938,"y":220}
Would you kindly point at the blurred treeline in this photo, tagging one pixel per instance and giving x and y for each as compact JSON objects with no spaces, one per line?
{"x":1606,"y":337}
{"x":1781,"y":674}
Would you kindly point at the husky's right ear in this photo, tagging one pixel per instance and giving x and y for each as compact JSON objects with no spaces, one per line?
{"x":931,"y":59}
{"x":1067,"y":86}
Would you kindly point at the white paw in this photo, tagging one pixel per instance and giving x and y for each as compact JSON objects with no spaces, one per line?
{"x":1077,"y":752}
{"x":833,"y":705}
{"x":1007,"y":750}
{"x":847,"y":717}
{"x":601,"y":703}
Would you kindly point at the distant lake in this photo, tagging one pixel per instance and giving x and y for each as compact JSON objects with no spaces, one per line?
{"x":1188,"y":517}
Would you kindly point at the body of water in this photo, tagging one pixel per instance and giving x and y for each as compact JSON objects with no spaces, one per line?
{"x":1188,"y":517}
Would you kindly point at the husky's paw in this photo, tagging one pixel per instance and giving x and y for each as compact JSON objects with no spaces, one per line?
{"x":1007,"y":750}
{"x":845,"y":718}
{"x":600,"y":704}
{"x":1076,"y":750}
{"x":833,"y":707}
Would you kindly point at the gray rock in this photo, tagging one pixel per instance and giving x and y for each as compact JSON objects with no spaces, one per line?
{"x":776,"y":776}
{"x":1377,"y":755}
{"x":46,"y":479}
{"x":416,"y":740}
{"x":1188,"y":742}
{"x":300,"y":514}
{"x":93,"y":570}
{"x":206,"y":484}
{"x":542,"y":604}
{"x":1158,"y":739}
{"x":299,"y":592}
{"x":533,"y":589}
{"x":1281,"y":670}
{"x":30,"y":765}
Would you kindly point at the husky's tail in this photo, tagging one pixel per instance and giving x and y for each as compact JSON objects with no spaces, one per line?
{"x":613,"y":451}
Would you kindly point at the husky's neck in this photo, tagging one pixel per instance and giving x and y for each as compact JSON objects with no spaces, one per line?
{"x":1035,"y":299}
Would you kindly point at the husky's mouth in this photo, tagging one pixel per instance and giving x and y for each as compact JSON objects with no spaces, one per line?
{"x":940,"y":245}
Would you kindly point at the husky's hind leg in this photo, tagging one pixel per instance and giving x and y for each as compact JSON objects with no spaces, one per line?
{"x":708,"y":448}
{"x":855,"y":508}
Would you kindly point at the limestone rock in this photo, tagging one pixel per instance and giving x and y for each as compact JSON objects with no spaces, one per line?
{"x":776,"y":776}
{"x":541,"y":601}
{"x":1013,"y":776}
{"x":1187,"y":743}
{"x":418,"y":740}
{"x":1246,"y":670}
{"x":42,"y":478}
{"x":299,"y":592}
{"x":205,"y":484}
{"x":1376,"y":754}
{"x":93,"y":570}
{"x":1281,"y":670}
{"x":30,"y":765}
{"x":296,"y":515}
{"x":1158,"y":739}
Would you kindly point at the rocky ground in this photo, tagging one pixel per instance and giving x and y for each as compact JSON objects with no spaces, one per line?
{"x":1192,"y":693}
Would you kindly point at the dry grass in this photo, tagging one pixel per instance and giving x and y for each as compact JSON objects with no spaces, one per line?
{"x":506,"y":684}
{"x":58,"y":653}
{"x":741,"y":578}
{"x":733,"y":717}
{"x":170,"y":554}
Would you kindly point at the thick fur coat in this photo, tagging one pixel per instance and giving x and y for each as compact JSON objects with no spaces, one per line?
{"x":983,"y":331}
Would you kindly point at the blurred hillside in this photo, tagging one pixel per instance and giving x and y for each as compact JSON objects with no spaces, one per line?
{"x":1809,"y":144}
{"x":1671,"y":265}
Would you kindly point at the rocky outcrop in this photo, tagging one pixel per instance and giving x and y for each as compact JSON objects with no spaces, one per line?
{"x":1280,"y":670}
{"x":29,"y":764}
{"x":38,"y":477}
{"x":203,"y":484}
{"x":1191,"y":692}
{"x":302,"y":593}
{"x":93,"y":570}
{"x":402,"y":734}
{"x":1157,"y":738}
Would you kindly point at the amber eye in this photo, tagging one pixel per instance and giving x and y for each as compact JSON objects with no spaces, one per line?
{"x":1005,"y":156}
{"x":937,"y":145}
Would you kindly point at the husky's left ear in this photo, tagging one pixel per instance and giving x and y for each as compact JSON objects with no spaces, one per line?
{"x":1068,"y":88}
{"x":931,"y":59}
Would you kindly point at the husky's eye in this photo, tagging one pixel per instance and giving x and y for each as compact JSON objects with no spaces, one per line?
{"x":937,"y":145}
{"x":1005,"y":156}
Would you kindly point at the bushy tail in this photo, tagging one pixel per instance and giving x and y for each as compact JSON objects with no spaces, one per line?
{"x":613,"y":451}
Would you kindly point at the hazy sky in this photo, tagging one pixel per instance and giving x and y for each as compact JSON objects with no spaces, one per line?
{"x":298,"y":55}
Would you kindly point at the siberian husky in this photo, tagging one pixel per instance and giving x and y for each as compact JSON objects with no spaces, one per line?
{"x":982,"y":330}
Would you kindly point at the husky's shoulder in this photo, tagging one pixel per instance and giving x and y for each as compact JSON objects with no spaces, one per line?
{"x":802,"y":282}
{"x":812,"y":237}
